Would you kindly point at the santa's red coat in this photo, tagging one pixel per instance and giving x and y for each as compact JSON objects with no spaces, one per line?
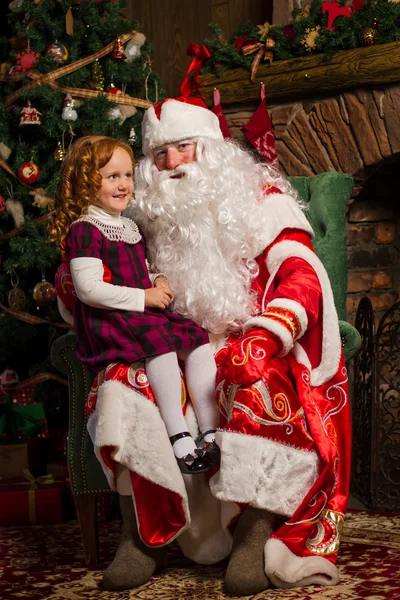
{"x":285,"y":440}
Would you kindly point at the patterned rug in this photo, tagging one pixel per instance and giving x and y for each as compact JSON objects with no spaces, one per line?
{"x":46,"y":563}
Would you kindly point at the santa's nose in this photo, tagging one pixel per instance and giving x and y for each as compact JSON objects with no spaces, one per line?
{"x":173,"y":158}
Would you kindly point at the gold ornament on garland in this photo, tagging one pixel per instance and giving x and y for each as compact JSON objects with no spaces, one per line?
{"x":44,"y":293}
{"x":368,"y":35}
{"x":310,"y":37}
{"x":59,"y":152}
{"x":304,"y":13}
{"x":263,"y":30}
{"x":16,"y":297}
{"x":98,"y":77}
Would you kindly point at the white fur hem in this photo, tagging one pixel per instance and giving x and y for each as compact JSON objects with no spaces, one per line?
{"x":263,"y":473}
{"x":274,"y":327}
{"x":131,"y":424}
{"x":331,"y":343}
{"x":286,"y":570}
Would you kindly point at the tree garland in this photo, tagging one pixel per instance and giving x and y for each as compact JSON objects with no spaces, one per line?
{"x":307,"y":33}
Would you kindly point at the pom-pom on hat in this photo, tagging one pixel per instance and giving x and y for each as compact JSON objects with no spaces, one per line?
{"x":177,"y":119}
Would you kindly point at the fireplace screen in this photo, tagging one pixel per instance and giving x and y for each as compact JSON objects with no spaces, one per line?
{"x":376,"y":410}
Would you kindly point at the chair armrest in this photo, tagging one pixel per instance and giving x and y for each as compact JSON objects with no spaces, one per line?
{"x":86,"y":474}
{"x":351,"y":340}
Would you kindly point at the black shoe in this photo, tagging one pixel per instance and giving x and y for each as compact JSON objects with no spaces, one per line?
{"x":211,"y":449}
{"x":191,"y":464}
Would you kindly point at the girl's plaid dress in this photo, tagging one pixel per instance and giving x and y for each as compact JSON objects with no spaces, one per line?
{"x":105,"y":336}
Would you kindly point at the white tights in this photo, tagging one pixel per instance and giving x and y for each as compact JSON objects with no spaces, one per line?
{"x":165,"y":381}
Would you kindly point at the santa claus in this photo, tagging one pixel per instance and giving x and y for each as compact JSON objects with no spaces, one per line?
{"x":230,"y":236}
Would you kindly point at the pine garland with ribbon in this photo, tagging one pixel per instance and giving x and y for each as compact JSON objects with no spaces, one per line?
{"x":322,"y":26}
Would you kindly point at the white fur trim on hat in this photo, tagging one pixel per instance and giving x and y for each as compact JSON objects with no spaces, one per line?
{"x":178,"y":121}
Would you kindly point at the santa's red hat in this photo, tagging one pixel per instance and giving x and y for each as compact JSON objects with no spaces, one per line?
{"x":176,"y":119}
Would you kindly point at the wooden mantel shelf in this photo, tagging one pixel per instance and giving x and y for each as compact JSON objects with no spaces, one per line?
{"x":300,"y":77}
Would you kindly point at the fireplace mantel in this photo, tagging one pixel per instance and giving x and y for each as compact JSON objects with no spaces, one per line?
{"x":300,"y":77}
{"x":338,"y":115}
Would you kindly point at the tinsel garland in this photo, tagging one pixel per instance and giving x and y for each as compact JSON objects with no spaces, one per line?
{"x":292,"y":40}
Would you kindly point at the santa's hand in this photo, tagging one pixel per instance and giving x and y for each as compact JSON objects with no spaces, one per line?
{"x":248,"y":357}
{"x":157,"y":298}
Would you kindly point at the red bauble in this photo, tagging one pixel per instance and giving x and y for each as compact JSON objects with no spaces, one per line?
{"x":26,"y":60}
{"x":289,"y":33}
{"x":28,"y":172}
{"x":113,"y":90}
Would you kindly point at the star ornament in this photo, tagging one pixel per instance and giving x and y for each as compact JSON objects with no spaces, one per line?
{"x":263,"y":30}
{"x":26,"y":60}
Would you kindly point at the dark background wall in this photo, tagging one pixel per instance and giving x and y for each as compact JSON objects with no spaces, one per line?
{"x":172,"y":24}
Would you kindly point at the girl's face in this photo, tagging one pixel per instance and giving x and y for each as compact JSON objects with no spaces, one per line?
{"x":117,"y":183}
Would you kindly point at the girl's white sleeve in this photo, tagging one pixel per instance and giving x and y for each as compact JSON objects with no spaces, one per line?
{"x":87,"y":275}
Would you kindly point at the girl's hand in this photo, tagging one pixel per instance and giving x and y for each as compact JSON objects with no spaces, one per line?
{"x":162,"y":282}
{"x":157,"y":297}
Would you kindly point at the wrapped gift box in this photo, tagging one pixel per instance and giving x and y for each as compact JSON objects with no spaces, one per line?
{"x":30,"y":502}
{"x":13,"y":459}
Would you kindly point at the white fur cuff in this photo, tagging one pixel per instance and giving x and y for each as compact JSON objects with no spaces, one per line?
{"x":274,"y":327}
{"x":263,"y":473}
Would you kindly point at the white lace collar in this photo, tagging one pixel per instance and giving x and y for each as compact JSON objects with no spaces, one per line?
{"x":114,"y":227}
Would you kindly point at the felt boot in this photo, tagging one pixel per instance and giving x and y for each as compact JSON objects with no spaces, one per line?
{"x":245,"y":574}
{"x":134,"y":562}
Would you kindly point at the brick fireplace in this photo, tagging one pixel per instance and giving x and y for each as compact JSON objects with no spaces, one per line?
{"x":357,"y":132}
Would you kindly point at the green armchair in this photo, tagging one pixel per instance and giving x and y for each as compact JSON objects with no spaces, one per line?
{"x":327,"y":196}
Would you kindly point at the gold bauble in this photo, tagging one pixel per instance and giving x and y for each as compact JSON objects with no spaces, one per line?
{"x":59,"y":153}
{"x":368,"y":36}
{"x":270,"y":43}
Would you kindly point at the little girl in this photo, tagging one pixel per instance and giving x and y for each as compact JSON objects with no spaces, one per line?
{"x":119,"y":316}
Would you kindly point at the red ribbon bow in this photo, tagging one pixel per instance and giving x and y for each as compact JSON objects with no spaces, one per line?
{"x":190,"y":82}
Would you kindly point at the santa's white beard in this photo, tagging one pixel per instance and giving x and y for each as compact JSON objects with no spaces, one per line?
{"x":203,"y":248}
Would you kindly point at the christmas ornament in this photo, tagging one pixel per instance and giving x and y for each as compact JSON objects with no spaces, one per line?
{"x":28,"y":172}
{"x":42,"y":199}
{"x":310,"y":37}
{"x":304,"y":13}
{"x":260,"y":134}
{"x":16,"y":297}
{"x":2,"y":204}
{"x":334,"y":10}
{"x":15,"y":209}
{"x":59,"y":153}
{"x":58,"y":51}
{"x":44,"y":293}
{"x":5,"y":151}
{"x":69,"y":113}
{"x":26,"y":60}
{"x":132,"y":136}
{"x":132,"y":49}
{"x":29,"y":116}
{"x":113,"y":89}
{"x":368,"y":35}
{"x":98,"y":77}
{"x":8,"y":379}
{"x":16,"y":6}
{"x":289,"y":33}
{"x":118,"y":52}
{"x":263,"y":30}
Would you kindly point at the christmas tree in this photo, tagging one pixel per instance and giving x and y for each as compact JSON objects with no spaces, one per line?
{"x":71,"y":68}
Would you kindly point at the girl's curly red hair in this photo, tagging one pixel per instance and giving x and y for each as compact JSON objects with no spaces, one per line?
{"x":80,"y":181}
